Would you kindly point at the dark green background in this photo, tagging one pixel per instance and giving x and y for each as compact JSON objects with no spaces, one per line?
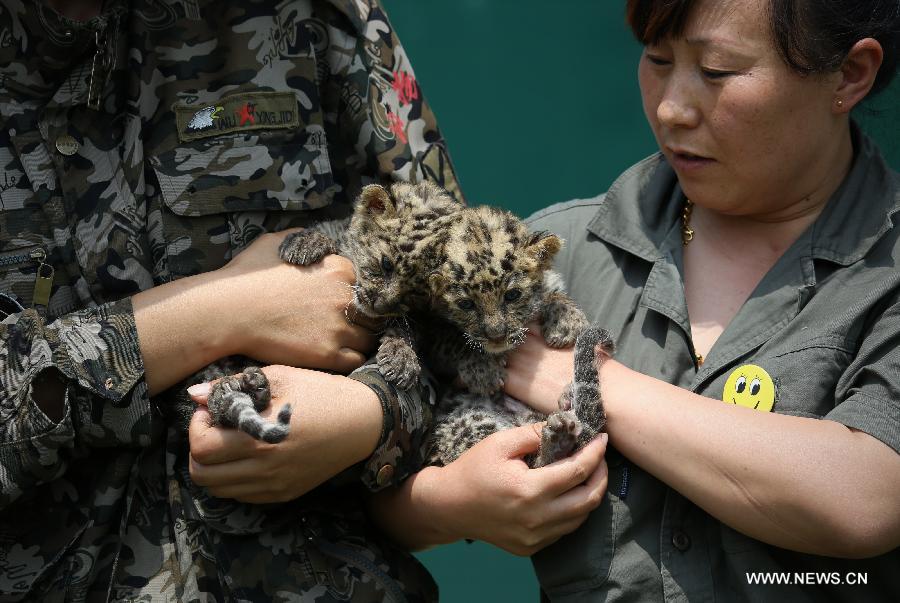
{"x":539,"y":103}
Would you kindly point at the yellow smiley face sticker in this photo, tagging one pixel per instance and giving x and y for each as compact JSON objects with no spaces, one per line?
{"x":750,"y":386}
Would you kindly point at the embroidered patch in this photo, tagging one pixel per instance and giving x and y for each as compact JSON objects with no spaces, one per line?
{"x":750,"y":386}
{"x":237,"y":113}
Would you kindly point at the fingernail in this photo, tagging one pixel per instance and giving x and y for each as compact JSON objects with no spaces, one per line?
{"x":604,"y":437}
{"x":200,"y":389}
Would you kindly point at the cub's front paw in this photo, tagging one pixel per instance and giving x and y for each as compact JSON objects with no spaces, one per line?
{"x":306,"y":247}
{"x":398,"y":362}
{"x":253,"y":382}
{"x":562,"y":324}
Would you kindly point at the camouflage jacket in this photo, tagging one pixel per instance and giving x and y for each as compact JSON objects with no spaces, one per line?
{"x":153,"y":142}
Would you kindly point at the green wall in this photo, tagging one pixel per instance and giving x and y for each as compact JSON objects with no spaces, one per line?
{"x":539,"y":103}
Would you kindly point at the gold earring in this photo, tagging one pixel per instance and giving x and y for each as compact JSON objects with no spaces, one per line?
{"x":839,"y":103}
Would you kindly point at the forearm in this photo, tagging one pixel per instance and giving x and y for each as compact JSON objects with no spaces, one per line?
{"x":803,"y":484}
{"x":181,"y":328}
{"x":411,"y":514}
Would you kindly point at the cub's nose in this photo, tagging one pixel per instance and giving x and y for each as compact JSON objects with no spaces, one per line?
{"x":495,"y":333}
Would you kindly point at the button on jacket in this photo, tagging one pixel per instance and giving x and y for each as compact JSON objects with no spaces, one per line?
{"x":824,"y":324}
{"x":153,"y":142}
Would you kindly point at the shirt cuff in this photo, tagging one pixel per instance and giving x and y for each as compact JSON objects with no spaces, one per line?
{"x":407,"y":417}
{"x":874,"y":416}
{"x":98,"y":349}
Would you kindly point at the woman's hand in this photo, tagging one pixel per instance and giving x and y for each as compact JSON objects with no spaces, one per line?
{"x":294,"y":315}
{"x":256,"y":305}
{"x":490,"y":494}
{"x":536,"y":374}
{"x":335,"y":423}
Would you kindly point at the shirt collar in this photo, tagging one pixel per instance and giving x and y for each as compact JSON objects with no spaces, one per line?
{"x":645,"y":203}
{"x":861,"y":211}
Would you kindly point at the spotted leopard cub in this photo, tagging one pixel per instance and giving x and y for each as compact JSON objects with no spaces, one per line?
{"x":495,"y":278}
{"x":463,"y":418}
{"x":393,"y":239}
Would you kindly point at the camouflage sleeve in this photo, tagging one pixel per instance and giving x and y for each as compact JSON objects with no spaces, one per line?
{"x":106,"y":402}
{"x":407,"y":419}
{"x":384,"y":127}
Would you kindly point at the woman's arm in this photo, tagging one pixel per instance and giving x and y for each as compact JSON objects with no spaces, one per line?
{"x":256,"y":305}
{"x":490,"y":494}
{"x":803,"y":484}
{"x":336,"y":422}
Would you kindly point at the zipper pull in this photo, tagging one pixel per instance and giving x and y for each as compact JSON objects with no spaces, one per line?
{"x":43,"y":279}
{"x":98,"y":70}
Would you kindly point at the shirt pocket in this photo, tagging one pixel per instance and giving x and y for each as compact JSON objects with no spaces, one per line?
{"x":20,"y":264}
{"x":581,"y":561}
{"x":806,"y":373}
{"x":218,"y":194}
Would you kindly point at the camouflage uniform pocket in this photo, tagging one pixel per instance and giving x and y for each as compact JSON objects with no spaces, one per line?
{"x":19,"y":272}
{"x":217,"y":193}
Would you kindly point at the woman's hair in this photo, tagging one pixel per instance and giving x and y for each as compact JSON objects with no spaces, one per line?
{"x":813,"y":36}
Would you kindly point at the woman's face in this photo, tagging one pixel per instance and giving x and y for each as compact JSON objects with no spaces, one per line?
{"x":745,"y":134}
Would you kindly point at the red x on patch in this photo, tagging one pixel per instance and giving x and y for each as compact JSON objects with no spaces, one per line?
{"x":246,"y":113}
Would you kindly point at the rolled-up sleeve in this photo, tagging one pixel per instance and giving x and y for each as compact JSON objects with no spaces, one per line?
{"x":869,"y":390}
{"x":407,"y":420}
{"x":106,"y":401}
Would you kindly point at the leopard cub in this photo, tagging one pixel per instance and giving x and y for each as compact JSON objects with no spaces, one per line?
{"x":392,"y":239}
{"x":494,"y":280}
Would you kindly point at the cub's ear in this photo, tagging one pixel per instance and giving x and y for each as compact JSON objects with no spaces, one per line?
{"x":375,"y":199}
{"x":437,"y":282}
{"x":543,"y":247}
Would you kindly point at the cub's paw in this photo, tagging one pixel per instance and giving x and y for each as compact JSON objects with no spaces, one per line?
{"x":398,"y":362}
{"x":558,"y":437}
{"x":562,"y":325}
{"x":306,"y":247}
{"x":253,"y":382}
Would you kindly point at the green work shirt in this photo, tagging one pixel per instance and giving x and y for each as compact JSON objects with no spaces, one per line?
{"x":824,"y":324}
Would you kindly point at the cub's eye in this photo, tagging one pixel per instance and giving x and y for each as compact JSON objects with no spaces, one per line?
{"x":465,"y":304}
{"x":754,"y":387}
{"x":386,"y":265}
{"x":740,"y":385}
{"x":512,"y":295}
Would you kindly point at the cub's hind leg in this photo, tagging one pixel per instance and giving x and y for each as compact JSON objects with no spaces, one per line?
{"x":236,"y":400}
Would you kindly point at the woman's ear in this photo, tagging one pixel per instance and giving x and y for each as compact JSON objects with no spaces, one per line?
{"x":858,"y":74}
